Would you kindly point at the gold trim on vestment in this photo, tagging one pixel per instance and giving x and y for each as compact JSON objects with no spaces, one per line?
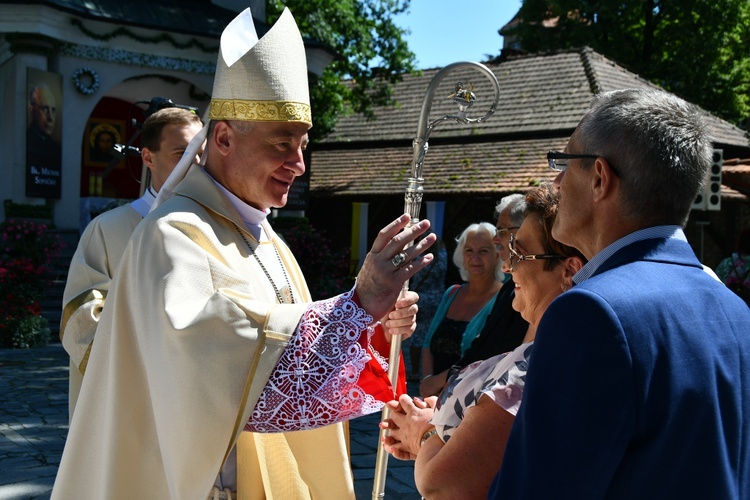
{"x":260,"y":111}
{"x":85,"y":360}
{"x":75,"y":303}
{"x":239,"y":424}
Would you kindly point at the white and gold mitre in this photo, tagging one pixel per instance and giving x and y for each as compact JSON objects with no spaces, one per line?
{"x":261,"y":80}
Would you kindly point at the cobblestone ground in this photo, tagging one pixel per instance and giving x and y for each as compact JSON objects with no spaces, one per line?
{"x":33,"y":419}
{"x":34,"y":423}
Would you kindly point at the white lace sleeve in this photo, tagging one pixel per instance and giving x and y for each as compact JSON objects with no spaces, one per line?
{"x":315,"y":382}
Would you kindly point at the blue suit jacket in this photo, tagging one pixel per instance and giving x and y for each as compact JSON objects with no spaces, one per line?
{"x":639,"y":387}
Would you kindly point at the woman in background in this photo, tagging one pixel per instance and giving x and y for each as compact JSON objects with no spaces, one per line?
{"x":478,"y":261}
{"x":734,"y":271}
{"x":429,"y":283}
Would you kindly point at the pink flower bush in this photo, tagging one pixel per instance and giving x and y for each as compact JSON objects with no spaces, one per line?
{"x":28,"y":249}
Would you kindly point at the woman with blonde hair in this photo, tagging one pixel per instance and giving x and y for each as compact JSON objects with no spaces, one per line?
{"x":478,"y":261}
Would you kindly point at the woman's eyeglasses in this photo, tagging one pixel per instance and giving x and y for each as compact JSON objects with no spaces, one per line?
{"x":516,"y":257}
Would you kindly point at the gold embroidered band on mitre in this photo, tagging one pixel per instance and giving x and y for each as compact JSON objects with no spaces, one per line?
{"x":260,"y":111}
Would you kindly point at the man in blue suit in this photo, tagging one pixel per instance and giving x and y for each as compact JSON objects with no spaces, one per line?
{"x":639,"y":385}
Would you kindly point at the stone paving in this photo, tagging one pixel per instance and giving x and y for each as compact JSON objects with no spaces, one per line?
{"x":34,"y":424}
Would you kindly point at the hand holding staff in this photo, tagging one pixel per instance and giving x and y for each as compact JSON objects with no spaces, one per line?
{"x":464,"y":99}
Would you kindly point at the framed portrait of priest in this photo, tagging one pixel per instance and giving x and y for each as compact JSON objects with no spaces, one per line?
{"x":43,"y":133}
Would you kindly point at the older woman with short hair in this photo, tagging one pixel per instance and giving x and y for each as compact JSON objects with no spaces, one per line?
{"x":478,"y":260}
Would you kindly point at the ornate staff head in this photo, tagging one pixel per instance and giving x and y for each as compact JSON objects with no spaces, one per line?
{"x":464,"y":99}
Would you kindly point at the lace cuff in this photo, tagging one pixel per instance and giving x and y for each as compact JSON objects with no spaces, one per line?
{"x":319,"y":379}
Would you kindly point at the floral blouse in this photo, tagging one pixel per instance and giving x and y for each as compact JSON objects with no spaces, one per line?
{"x":501,"y":377}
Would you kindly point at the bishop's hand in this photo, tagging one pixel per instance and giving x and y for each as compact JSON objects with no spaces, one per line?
{"x":390,"y":262}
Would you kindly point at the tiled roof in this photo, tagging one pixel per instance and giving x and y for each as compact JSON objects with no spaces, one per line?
{"x":541,"y":93}
{"x":737,"y":166}
{"x":727,"y":192}
{"x":542,"y":99}
{"x":610,"y":76}
{"x":536,"y":94}
{"x":484,"y":167}
{"x":735,"y":180}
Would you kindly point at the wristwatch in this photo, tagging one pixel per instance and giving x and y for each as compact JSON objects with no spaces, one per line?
{"x":427,"y":435}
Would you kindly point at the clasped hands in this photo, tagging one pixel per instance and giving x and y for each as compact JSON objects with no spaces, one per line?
{"x":408,"y":421}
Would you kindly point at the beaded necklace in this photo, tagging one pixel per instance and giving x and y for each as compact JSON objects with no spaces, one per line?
{"x":285,"y":295}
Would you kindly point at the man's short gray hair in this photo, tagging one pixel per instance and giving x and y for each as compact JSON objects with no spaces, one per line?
{"x":516,"y":204}
{"x":657,"y":144}
{"x":242,"y":126}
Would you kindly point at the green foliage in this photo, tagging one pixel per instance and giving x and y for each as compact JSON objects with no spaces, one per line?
{"x":26,"y":250}
{"x":25,"y":332}
{"x":372,"y":54}
{"x":694,"y":48}
{"x":326,"y":271}
{"x":27,"y":210}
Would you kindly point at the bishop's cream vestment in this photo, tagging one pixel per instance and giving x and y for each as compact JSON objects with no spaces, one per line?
{"x":191,"y":334}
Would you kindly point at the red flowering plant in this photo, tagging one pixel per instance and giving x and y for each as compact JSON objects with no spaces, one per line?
{"x":26,"y":251}
{"x":326,"y":270}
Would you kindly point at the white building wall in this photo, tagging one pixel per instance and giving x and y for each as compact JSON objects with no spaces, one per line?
{"x":115,"y":61}
{"x":74,"y":43}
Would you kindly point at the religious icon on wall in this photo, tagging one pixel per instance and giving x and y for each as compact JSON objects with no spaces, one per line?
{"x":101,"y":136}
{"x":43,"y":134}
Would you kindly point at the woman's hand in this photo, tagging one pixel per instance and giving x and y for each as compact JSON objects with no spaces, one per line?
{"x":407,"y":423}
